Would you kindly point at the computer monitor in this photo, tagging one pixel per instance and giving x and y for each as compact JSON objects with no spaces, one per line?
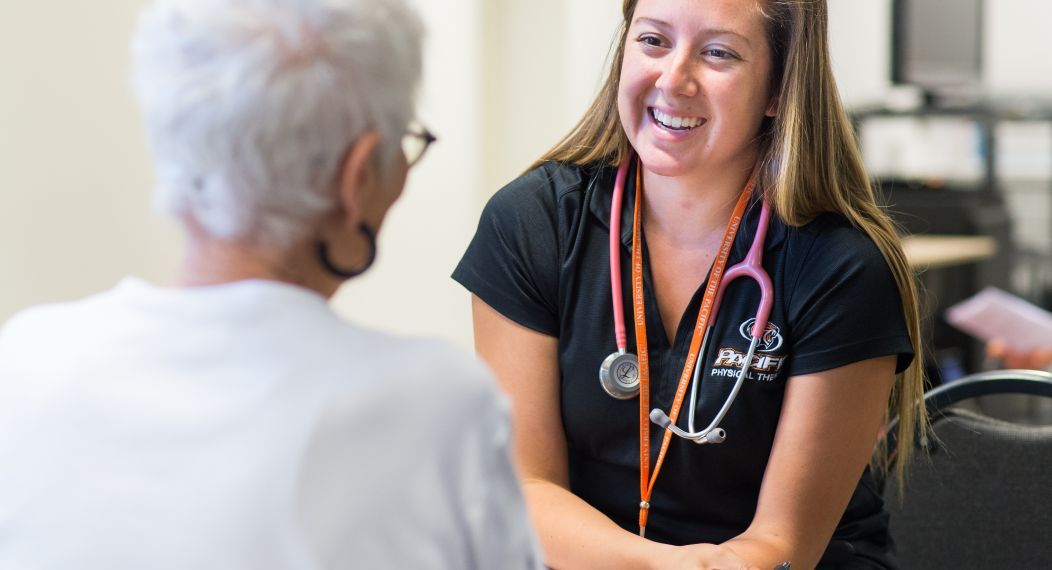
{"x":937,"y":45}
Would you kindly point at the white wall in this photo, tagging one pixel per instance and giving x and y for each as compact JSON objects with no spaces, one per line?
{"x":544,"y":61}
{"x":74,"y":175}
{"x":1018,"y":47}
{"x":860,"y":43}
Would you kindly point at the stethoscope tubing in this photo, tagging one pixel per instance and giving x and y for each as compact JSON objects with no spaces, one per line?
{"x":620,"y":336}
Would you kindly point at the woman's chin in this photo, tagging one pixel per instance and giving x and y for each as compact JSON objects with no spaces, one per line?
{"x":664,"y":165}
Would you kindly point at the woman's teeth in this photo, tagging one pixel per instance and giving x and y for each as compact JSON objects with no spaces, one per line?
{"x":670,"y":122}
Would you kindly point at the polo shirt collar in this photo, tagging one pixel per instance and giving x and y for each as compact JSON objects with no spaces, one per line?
{"x":601,"y":195}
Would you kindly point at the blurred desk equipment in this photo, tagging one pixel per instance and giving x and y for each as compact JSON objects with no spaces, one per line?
{"x":981,"y":500}
{"x":937,"y":46}
{"x":936,"y":170}
{"x":941,"y":170}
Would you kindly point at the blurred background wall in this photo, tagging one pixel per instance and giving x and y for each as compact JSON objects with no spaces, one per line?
{"x":504,"y":80}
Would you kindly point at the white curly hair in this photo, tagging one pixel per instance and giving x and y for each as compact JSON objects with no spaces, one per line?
{"x":251,"y":105}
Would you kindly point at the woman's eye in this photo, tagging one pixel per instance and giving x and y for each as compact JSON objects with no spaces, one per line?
{"x":650,"y":40}
{"x":719,"y":53}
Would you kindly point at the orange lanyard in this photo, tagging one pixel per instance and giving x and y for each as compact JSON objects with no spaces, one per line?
{"x":646,"y":480}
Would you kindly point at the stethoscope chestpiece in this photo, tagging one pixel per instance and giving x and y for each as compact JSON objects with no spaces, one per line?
{"x":619,"y":375}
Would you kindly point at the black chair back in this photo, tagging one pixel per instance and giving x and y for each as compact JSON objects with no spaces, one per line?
{"x":982,"y":497}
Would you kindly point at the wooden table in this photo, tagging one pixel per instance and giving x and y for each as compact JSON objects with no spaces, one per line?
{"x":932,"y":251}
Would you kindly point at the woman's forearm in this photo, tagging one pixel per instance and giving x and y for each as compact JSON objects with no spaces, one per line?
{"x":576,"y":535}
{"x":765,"y":551}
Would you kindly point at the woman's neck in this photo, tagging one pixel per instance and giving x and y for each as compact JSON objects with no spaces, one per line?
{"x":689,"y":210}
{"x":212,"y":262}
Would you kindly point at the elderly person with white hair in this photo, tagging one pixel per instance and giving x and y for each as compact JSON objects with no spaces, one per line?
{"x":233,"y":420}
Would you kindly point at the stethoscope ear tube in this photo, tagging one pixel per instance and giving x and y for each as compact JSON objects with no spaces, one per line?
{"x":620,"y":336}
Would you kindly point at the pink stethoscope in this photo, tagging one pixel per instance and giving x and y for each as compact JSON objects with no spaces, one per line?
{"x":619,"y":373}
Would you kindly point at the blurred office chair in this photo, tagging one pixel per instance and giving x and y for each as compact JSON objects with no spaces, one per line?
{"x":983,"y":497}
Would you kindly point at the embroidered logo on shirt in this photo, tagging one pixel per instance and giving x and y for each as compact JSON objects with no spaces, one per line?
{"x":764,"y":366}
{"x":769,"y":342}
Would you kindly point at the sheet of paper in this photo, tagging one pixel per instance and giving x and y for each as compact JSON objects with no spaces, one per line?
{"x":995,"y":314}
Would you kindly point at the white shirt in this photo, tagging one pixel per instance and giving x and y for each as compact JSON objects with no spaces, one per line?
{"x":246,"y":426}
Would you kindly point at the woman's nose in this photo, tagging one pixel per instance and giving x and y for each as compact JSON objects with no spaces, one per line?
{"x":677,"y":76}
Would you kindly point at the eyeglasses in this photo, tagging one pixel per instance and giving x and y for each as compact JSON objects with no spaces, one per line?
{"x":415,"y":142}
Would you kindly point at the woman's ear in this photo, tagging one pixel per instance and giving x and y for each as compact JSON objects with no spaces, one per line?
{"x":358,"y":175}
{"x":772,"y":106}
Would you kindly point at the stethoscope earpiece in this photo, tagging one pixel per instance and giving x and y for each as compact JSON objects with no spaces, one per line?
{"x":716,"y":435}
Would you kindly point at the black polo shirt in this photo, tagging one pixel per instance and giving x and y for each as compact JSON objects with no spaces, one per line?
{"x":540,"y":257}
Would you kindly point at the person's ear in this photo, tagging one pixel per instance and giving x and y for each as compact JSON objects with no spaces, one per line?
{"x":772,"y":105}
{"x":358,"y":175}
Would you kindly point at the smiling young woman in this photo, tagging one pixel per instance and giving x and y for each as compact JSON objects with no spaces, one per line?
{"x":711,"y":109}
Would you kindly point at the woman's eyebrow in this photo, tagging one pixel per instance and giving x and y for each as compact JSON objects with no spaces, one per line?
{"x":725,"y":32}
{"x":653,"y":21}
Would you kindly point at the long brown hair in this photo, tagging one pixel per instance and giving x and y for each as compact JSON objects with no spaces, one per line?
{"x":809,"y":164}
